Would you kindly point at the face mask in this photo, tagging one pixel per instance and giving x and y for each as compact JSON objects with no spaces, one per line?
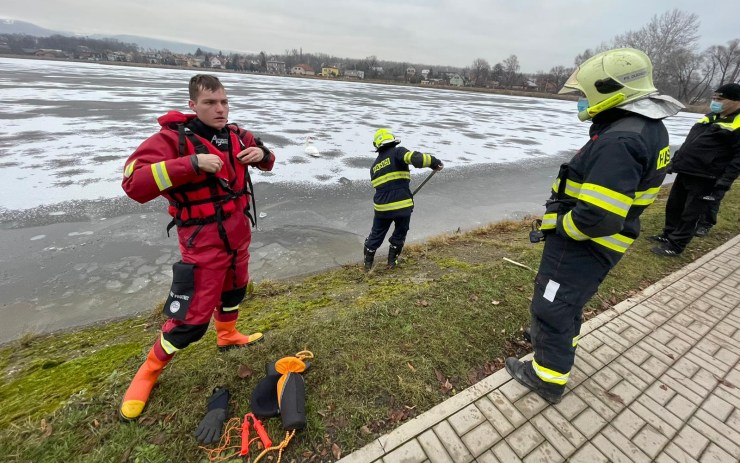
{"x":582,"y":104}
{"x":715,"y":107}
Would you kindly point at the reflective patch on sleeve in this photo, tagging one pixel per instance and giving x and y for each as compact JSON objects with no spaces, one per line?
{"x":427,"y":160}
{"x":407,"y":157}
{"x":159,"y":171}
{"x":551,"y":290}
{"x":571,"y":230}
{"x":129,"y":169}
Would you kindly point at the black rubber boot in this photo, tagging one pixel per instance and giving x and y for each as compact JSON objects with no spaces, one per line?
{"x":369,"y":258}
{"x":393,"y":253}
{"x":525,"y":375}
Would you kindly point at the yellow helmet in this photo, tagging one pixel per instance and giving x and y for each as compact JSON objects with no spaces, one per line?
{"x":612,"y":78}
{"x":384,"y":137}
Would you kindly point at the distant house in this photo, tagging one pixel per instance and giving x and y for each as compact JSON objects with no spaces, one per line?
{"x":49,"y":53}
{"x":302,"y":70}
{"x":276,"y":67}
{"x":354,"y":73}
{"x":457,"y":81}
{"x":410,"y":71}
{"x":330,"y":71}
{"x":195,"y":62}
{"x":425,"y":73}
{"x":217,"y":63}
{"x":377,"y":69}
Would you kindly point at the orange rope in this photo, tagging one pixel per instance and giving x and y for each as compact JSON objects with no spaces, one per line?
{"x":214,"y":454}
{"x":280,"y":447}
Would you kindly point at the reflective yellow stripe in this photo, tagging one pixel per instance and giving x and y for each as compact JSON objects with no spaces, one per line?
{"x":548,"y":375}
{"x":549,"y":221}
{"x":556,"y":185}
{"x":575,"y":341}
{"x":407,"y":157}
{"x":571,"y":229}
{"x":427,"y":160}
{"x":731,"y":126}
{"x":159,"y":171}
{"x":129,"y":169}
{"x":391,"y":176}
{"x":166,"y":346}
{"x":605,"y":198}
{"x":646,"y":198}
{"x":572,"y":188}
{"x":230,"y":309}
{"x":394,"y":206}
{"x":617,"y":242}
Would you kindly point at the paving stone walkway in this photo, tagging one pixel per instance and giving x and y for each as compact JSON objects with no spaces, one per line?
{"x":656,"y":378}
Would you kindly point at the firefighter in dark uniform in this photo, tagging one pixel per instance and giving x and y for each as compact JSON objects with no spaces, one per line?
{"x":393,"y":201}
{"x":707,"y":164}
{"x":593,"y":214}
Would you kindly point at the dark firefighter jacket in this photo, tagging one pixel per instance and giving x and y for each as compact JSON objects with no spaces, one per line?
{"x":600,"y":194}
{"x":711,"y":149}
{"x":391,"y":178}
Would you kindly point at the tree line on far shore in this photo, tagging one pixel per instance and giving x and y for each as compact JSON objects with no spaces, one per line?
{"x":671,"y":40}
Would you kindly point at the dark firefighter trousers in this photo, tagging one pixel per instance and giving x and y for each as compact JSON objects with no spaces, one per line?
{"x":570,"y":273}
{"x":685,"y":208}
{"x":381,"y":225}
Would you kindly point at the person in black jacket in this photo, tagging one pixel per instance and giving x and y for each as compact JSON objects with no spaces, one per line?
{"x":707,"y":164}
{"x":393,"y":201}
{"x":593,"y":214}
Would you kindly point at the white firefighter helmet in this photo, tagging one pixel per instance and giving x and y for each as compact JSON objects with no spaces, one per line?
{"x":612,"y":78}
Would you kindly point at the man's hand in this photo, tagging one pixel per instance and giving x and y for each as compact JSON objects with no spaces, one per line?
{"x":210,"y":163}
{"x":250,"y":155}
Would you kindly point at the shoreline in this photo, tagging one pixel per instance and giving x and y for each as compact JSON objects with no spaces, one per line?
{"x":88,"y":267}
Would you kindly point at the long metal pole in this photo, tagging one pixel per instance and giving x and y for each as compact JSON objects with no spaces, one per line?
{"x":424,"y":182}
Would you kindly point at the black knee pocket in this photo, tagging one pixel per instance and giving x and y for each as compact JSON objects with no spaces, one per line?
{"x":233,"y":298}
{"x":183,"y":335}
{"x":181,"y":292}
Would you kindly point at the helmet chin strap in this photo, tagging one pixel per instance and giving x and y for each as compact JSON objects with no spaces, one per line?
{"x":609,"y":103}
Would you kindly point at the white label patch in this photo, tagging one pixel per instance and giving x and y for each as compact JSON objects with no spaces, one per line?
{"x":551,"y":290}
{"x":174,"y":306}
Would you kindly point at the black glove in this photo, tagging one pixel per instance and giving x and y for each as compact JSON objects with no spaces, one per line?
{"x":209,"y":429}
{"x":669,"y":169}
{"x":717,"y":194}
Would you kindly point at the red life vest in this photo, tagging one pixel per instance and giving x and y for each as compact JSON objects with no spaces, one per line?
{"x":213,"y":197}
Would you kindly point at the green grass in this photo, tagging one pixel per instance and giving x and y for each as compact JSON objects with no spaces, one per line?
{"x":389,"y":345}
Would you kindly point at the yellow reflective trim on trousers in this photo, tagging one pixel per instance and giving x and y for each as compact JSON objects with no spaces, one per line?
{"x":159,"y":171}
{"x":575,"y":341}
{"x":427,"y":160}
{"x":617,"y":242}
{"x":647,"y":197}
{"x":129,"y":169}
{"x":166,"y":346}
{"x":606,"y":199}
{"x":549,"y":376}
{"x":571,"y":229}
{"x":229,"y":309}
{"x":407,"y":157}
{"x":549,"y":221}
{"x":394,"y":206}
{"x":398,"y":175}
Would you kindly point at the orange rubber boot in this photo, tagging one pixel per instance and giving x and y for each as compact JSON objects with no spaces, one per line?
{"x":228,"y":337}
{"x":141,"y":386}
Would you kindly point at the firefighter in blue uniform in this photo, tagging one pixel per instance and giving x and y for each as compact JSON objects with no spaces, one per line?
{"x":592,"y":216}
{"x":393,"y":201}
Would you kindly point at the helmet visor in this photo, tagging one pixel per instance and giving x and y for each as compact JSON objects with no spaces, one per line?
{"x":571,"y":85}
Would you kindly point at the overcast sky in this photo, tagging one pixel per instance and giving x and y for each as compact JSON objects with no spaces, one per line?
{"x":542,"y":33}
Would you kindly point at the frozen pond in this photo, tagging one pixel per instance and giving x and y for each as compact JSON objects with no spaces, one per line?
{"x":67,"y":128}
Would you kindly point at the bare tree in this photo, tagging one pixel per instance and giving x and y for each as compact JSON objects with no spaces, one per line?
{"x":588,"y":53}
{"x":727,"y":59}
{"x":511,"y":70}
{"x":665,"y":37}
{"x":559,"y":75}
{"x":479,"y":72}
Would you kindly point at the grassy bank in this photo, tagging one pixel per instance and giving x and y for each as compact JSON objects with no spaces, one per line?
{"x":388,"y":346}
